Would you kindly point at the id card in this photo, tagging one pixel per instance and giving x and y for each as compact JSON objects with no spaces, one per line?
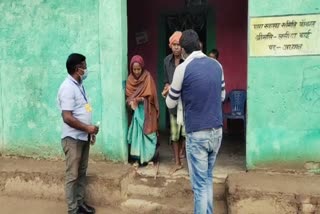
{"x":88,"y":107}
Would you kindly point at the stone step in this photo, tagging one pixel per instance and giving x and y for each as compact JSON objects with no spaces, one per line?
{"x":252,"y":193}
{"x":167,"y":205}
{"x":149,"y":205}
{"x":167,"y":195}
{"x":140,"y":189}
{"x":108,"y":184}
{"x":100,"y":191}
{"x":140,"y":205}
{"x":168,"y":187}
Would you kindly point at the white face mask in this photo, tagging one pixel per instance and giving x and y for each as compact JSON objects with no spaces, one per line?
{"x":85,"y":74}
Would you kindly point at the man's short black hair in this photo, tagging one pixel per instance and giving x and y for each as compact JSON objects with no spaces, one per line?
{"x":73,"y":61}
{"x":189,"y":41}
{"x":215,"y":52}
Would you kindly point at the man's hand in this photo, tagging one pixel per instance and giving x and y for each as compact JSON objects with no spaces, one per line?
{"x":165,"y":90}
{"x":92,"y":129}
{"x":92,"y":139}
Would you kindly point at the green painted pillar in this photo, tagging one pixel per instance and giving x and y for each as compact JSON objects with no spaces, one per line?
{"x":283,"y":109}
{"x":113,"y":65}
{"x":1,"y":118}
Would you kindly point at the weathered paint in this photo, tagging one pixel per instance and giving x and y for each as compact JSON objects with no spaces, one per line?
{"x":283,"y":128}
{"x":38,"y":37}
{"x":113,"y":59}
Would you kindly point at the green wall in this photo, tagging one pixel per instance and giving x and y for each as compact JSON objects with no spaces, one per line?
{"x":283,"y":129}
{"x":114,"y":71}
{"x":36,"y":38}
{"x":1,"y":117}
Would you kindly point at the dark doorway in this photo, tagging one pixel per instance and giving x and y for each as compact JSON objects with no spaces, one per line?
{"x":196,"y":20}
{"x":220,"y":25}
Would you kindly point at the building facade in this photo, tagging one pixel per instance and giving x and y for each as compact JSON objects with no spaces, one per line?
{"x":282,"y":87}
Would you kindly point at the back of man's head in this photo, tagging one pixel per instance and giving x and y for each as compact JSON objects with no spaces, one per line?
{"x":215,"y":53}
{"x":189,"y":41}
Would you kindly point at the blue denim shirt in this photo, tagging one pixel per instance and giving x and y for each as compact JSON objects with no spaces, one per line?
{"x":72,"y":97}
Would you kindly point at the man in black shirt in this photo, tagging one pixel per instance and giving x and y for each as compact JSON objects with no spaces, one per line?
{"x":177,"y":132}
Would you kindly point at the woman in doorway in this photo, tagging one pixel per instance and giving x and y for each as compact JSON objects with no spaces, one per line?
{"x":142,"y":97}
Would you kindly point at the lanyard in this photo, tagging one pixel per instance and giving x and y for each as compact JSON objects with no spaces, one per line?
{"x":83,"y":92}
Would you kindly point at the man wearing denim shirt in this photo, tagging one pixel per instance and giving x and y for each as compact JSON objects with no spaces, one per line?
{"x":200,"y":83}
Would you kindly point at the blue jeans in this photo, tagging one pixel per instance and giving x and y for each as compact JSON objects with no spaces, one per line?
{"x":202,"y":149}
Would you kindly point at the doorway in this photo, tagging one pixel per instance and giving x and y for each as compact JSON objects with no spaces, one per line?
{"x":221,"y":25}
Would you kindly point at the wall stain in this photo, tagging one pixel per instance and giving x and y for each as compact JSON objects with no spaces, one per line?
{"x":310,"y":89}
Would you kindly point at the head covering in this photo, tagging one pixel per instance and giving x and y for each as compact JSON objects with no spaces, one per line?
{"x":144,"y":87}
{"x":137,"y":59}
{"x":175,"y":38}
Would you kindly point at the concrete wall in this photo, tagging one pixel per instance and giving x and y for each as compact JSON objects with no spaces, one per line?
{"x":283,"y":108}
{"x":37,"y":36}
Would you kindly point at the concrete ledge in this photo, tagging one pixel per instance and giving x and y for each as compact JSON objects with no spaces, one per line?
{"x":166,"y":188}
{"x":140,"y":204}
{"x":112,"y":184}
{"x":251,"y":193}
{"x":107,"y":182}
{"x":174,"y":195}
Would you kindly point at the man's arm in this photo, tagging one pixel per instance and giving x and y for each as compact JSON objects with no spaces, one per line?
{"x":223,"y":84}
{"x":223,"y":87}
{"x":166,"y":77}
{"x":67,"y":102}
{"x":175,"y":88}
{"x":76,"y":124}
{"x":165,"y":90}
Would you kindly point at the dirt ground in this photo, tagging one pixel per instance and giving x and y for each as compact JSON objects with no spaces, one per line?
{"x":10,"y":205}
{"x":247,"y":193}
{"x":231,"y":159}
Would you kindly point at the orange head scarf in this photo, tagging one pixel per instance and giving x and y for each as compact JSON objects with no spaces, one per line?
{"x":175,"y":38}
{"x":137,"y":59}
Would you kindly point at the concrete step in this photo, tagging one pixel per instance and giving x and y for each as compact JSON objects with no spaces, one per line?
{"x":100,"y":191}
{"x":168,"y":187}
{"x":167,"y":195}
{"x":107,"y":182}
{"x":18,"y":205}
{"x":265,"y":193}
{"x":142,"y":206}
{"x":172,"y":205}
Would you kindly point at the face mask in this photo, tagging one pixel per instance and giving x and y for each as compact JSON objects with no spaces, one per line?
{"x":85,"y":74}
